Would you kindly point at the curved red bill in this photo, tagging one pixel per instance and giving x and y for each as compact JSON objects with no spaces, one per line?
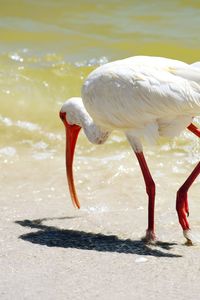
{"x":72,"y":132}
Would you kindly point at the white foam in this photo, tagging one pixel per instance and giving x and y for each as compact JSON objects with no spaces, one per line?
{"x":27,"y":125}
{"x":8,"y":151}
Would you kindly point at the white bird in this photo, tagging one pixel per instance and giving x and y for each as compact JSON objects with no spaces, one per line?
{"x":145,"y":97}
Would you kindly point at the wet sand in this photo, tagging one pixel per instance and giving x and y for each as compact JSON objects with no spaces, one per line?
{"x":49,"y":250}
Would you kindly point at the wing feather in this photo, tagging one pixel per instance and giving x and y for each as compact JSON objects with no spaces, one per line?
{"x":190,"y":72}
{"x":137,"y":91}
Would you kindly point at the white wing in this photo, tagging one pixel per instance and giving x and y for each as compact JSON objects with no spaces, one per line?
{"x":137,"y":92}
{"x":190,"y":72}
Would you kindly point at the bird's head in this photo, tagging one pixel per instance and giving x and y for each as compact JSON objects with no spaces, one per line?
{"x":74,"y":116}
{"x":69,"y":116}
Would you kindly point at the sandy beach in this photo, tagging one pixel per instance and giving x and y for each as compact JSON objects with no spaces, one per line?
{"x":49,"y":250}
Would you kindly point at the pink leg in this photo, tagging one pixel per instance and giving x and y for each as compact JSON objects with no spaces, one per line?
{"x":181,"y":200}
{"x":150,"y":189}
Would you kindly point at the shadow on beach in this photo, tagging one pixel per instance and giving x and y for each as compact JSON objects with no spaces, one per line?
{"x":54,"y":237}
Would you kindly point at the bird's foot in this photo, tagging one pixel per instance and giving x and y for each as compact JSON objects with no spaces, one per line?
{"x":150,"y":237}
{"x":188,"y":236}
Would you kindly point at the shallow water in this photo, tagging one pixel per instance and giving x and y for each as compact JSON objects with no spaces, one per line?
{"x":47,"y":49}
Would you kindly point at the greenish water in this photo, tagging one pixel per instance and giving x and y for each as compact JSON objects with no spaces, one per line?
{"x":47,"y":48}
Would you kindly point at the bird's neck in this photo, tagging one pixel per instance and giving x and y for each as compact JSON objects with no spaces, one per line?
{"x":76,"y":114}
{"x":94,"y":133}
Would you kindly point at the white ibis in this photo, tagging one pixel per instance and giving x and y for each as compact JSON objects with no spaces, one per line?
{"x":145,"y":97}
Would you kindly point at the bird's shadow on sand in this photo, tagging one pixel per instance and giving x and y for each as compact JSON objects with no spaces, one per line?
{"x":54,"y":237}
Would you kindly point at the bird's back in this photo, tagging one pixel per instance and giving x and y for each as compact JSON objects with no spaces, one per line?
{"x":136,"y":91}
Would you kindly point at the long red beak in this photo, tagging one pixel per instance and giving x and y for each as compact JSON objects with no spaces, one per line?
{"x":72,"y":132}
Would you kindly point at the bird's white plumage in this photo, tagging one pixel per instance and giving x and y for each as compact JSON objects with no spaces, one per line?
{"x":147,"y":96}
{"x":143,"y":96}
